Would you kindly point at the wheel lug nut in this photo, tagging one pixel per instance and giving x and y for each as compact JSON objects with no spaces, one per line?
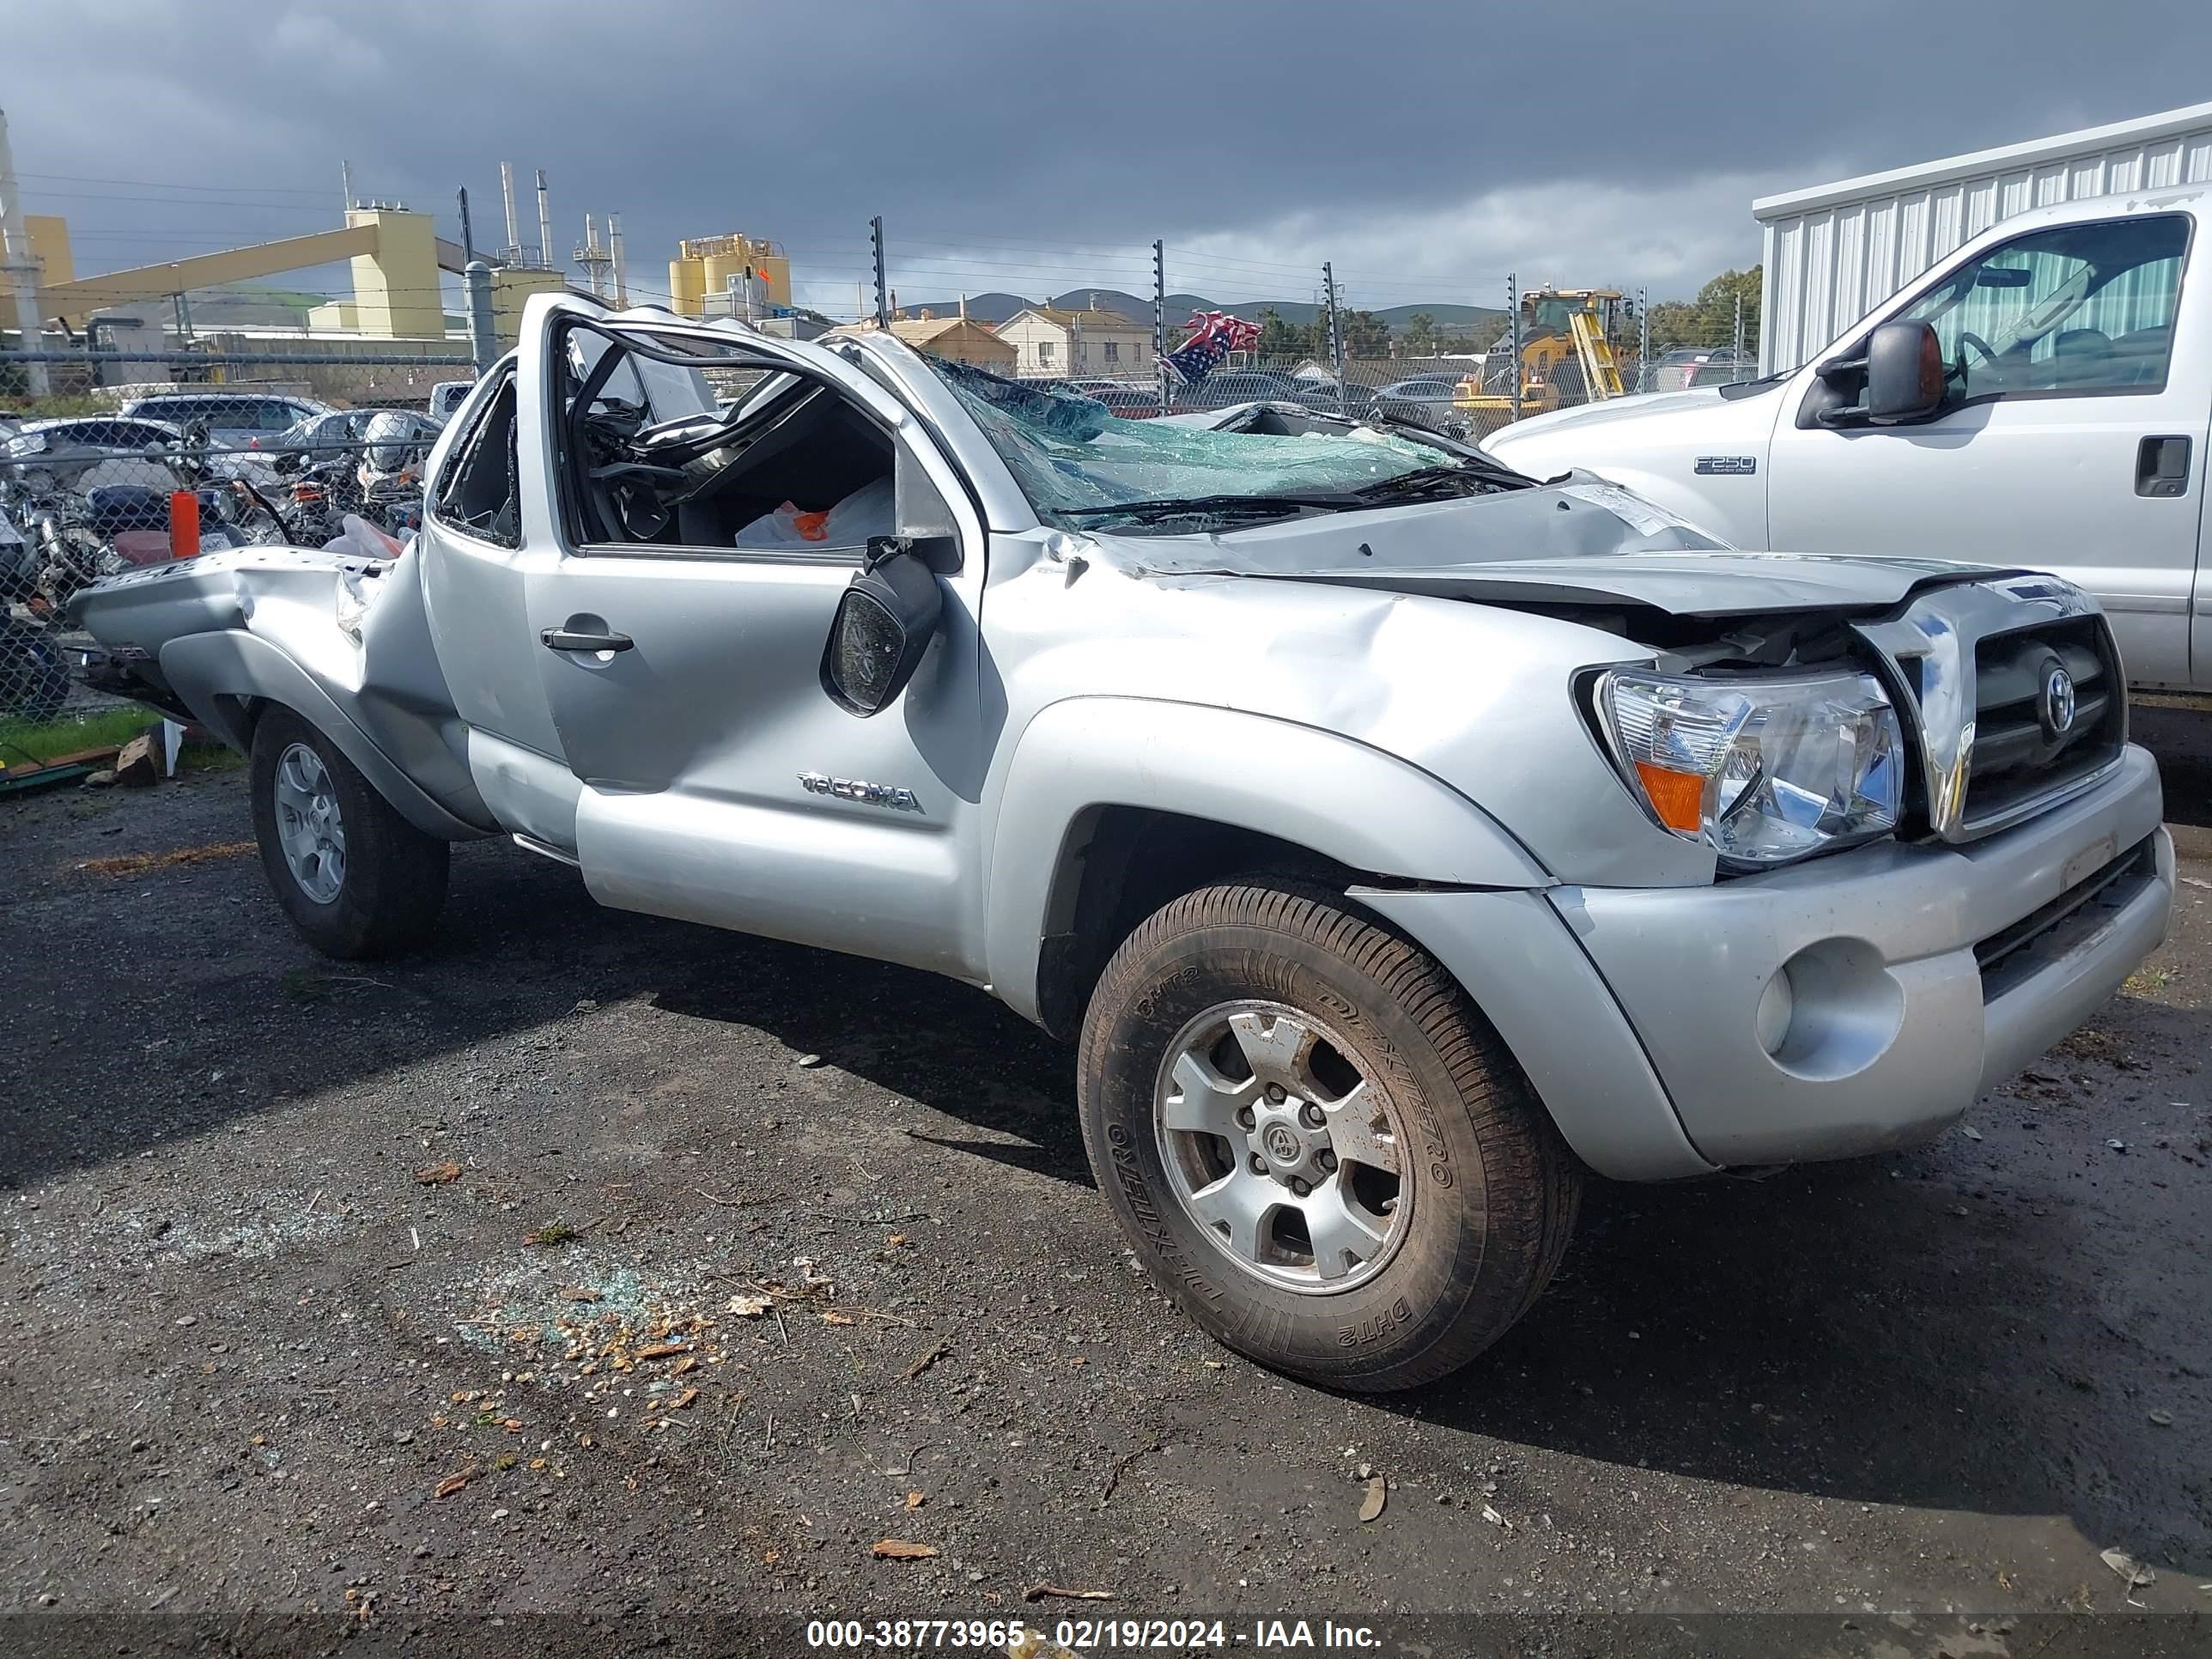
{"x":1325,"y":1158}
{"x":1244,"y":1117}
{"x":1298,"y":1185}
{"x":1259,"y":1165}
{"x":1312,"y":1115}
{"x":1275,"y":1094}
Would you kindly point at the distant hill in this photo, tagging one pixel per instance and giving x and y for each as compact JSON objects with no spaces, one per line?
{"x":997,"y":307}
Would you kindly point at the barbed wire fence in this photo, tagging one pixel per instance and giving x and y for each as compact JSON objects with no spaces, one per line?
{"x":1464,"y":355}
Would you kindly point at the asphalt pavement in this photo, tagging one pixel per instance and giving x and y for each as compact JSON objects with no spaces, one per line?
{"x":608,"y":1272}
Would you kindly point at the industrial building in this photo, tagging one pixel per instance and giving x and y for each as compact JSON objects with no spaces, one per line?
{"x":1834,"y":252}
{"x":730,"y":276}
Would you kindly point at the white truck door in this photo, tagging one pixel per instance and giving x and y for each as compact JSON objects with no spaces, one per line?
{"x":2074,"y":442}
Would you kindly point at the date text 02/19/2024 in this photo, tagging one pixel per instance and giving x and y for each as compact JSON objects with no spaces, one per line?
{"x":1088,"y":1635}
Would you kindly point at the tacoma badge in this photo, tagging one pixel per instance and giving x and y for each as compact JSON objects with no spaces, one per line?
{"x":869,"y":794}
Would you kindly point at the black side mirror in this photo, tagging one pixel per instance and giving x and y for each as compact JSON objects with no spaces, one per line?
{"x":885,"y":620}
{"x":1904,"y":373}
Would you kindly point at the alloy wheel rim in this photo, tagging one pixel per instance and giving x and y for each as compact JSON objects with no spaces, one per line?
{"x":310,"y":829}
{"x":1282,"y":1147}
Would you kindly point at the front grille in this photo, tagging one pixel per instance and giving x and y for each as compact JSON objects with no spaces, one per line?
{"x":2012,"y":954}
{"x":2016,"y":756}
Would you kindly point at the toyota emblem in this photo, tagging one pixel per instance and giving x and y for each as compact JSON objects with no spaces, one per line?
{"x":2057,"y":701}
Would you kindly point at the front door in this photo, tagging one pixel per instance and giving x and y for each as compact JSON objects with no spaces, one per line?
{"x":679,"y":633}
{"x":2077,"y":446}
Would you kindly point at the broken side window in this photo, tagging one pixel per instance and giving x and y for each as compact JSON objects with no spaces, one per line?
{"x":480,"y":492}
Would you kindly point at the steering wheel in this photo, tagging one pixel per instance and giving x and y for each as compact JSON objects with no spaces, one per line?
{"x":1968,"y":337}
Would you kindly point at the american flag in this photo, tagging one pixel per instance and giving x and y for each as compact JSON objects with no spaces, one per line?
{"x":1214,"y":335}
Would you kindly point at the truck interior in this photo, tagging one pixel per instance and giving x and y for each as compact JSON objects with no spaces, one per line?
{"x":652,"y":452}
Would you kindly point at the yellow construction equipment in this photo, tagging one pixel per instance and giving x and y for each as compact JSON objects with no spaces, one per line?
{"x":1566,"y":356}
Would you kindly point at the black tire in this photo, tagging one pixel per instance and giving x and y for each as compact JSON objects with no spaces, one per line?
{"x":392,"y":881}
{"x":1494,"y":1189}
{"x":34,"y":681}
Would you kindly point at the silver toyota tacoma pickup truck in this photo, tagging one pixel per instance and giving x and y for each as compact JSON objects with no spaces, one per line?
{"x":1398,"y":838}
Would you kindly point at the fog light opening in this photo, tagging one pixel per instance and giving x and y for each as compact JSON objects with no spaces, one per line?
{"x":1836,"y":1011}
{"x":1777,"y":1003}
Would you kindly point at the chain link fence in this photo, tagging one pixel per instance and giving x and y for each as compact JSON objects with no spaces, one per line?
{"x":91,"y":496}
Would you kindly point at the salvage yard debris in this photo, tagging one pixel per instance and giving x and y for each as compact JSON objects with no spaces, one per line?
{"x":137,"y":863}
{"x":439,"y":1173}
{"x":900,"y":1549}
{"x":1038,"y":1592}
{"x":1377,"y":1495}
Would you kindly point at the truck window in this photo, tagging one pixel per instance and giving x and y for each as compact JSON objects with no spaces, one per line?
{"x":479,"y":494}
{"x":710,"y":452}
{"x":2074,"y":309}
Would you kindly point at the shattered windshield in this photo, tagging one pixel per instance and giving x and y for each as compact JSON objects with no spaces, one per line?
{"x":1079,"y":464}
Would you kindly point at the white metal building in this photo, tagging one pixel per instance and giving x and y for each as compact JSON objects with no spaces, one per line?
{"x":1833,"y":253}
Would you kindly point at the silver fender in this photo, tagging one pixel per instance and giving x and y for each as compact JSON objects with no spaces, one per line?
{"x":204,"y":668}
{"x":1369,"y":811}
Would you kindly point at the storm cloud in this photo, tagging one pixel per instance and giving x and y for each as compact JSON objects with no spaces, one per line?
{"x":1426,"y":149}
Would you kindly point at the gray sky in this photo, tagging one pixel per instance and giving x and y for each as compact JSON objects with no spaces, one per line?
{"x":1425,"y":148}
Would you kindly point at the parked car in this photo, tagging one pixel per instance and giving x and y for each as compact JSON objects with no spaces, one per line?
{"x":83,"y":451}
{"x":2039,"y":399}
{"x":1395,"y":837}
{"x":318,"y":433}
{"x":1225,"y":388}
{"x":235,"y":419}
{"x":1723,"y":368}
{"x":1672,"y":370}
{"x":1433,"y":391}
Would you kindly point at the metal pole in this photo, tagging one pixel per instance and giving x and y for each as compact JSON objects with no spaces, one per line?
{"x":184,"y":316}
{"x":545,"y":226}
{"x":468,"y":234}
{"x":18,"y":270}
{"x":1160,"y":322}
{"x":483,"y":337}
{"x":1335,"y":339}
{"x":1642,"y":338}
{"x":1735,"y":367}
{"x":883,"y":288}
{"x":1513,"y":336}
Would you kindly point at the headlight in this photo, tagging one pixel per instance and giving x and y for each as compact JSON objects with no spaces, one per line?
{"x":1760,"y":770}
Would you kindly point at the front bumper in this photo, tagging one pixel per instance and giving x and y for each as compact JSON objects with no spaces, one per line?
{"x":1919,"y":976}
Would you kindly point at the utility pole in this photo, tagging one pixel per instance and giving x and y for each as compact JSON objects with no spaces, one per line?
{"x":468,"y":233}
{"x":1160,"y":321}
{"x":483,"y":337}
{"x":1513,"y":334}
{"x":19,"y":271}
{"x":882,"y":289}
{"x":1335,"y":339}
{"x":1642,"y":338}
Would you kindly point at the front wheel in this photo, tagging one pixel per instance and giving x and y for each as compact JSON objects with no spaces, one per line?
{"x":356,"y":878}
{"x":1315,"y":1141}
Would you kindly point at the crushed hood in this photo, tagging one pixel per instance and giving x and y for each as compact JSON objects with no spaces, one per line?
{"x":1578,"y":542}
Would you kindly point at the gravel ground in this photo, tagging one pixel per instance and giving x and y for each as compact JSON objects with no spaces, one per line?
{"x":604,"y":1268}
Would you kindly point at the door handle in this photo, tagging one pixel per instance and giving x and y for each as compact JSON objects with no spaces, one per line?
{"x":560,"y":639}
{"x":2162,"y":466}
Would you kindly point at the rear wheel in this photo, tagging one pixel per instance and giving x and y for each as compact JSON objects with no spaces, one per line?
{"x":356,"y":878}
{"x":1315,"y":1142}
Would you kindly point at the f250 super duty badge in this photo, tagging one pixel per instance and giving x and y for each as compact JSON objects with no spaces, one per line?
{"x":1727,"y":465}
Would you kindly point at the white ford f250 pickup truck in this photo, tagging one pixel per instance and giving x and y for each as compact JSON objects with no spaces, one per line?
{"x":1398,"y":837}
{"x":2040,"y":398}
